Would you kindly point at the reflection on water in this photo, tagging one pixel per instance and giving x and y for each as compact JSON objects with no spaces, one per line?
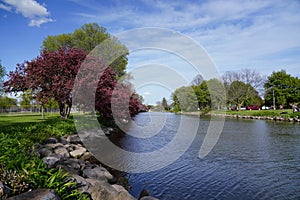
{"x":253,"y":159}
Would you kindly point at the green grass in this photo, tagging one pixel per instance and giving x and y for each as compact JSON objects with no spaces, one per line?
{"x":266,"y":113}
{"x":19,"y":168}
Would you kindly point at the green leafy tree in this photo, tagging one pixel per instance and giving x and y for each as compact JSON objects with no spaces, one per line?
{"x":239,"y":92}
{"x":217,"y":93}
{"x":286,"y":89}
{"x":6,"y":102}
{"x":185,"y":99}
{"x":88,"y":37}
{"x":164,"y":104}
{"x":26,"y":100}
{"x":202,"y":94}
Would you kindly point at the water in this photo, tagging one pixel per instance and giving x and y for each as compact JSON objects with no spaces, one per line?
{"x":253,"y":159}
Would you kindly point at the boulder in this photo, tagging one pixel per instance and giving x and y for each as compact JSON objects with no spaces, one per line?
{"x":1,"y":189}
{"x":38,"y":194}
{"x":74,"y":139}
{"x":54,"y":146}
{"x":52,"y":160}
{"x":44,"y":152}
{"x":103,"y":190}
{"x":78,"y":152}
{"x":119,"y":188}
{"x":86,"y":156}
{"x":62,"y":151}
{"x":98,"y":173}
{"x":82,"y":184}
{"x":50,"y":140}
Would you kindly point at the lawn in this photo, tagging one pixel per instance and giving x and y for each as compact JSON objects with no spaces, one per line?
{"x":267,"y":113}
{"x":19,"y":167}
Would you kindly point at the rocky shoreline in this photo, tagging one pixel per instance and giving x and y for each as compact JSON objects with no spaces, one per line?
{"x":275,"y":118}
{"x":91,"y":177}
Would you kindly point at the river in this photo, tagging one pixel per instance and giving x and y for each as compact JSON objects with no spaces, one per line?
{"x":253,"y":159}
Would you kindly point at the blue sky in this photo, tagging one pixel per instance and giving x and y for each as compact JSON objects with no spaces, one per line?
{"x":257,"y":34}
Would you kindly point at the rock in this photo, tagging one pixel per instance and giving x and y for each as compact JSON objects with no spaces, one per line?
{"x":1,"y":189}
{"x":82,"y":184}
{"x":74,"y":139}
{"x":78,"y":152}
{"x":44,"y":152}
{"x":54,"y":146}
{"x":98,"y":173}
{"x":144,"y":193}
{"x":94,"y":181}
{"x":124,"y":196}
{"x":52,"y":160}
{"x":103,"y":190}
{"x":71,"y":165}
{"x":50,"y":140}
{"x":63,"y":140}
{"x":62,"y":151}
{"x":119,"y":188}
{"x":86,"y":156}
{"x":149,"y":198}
{"x":38,"y":194}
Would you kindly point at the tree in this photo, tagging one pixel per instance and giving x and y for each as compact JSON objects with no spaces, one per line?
{"x":2,"y":74}
{"x":6,"y":103}
{"x":50,"y":75}
{"x":202,"y":94}
{"x":164,"y":104}
{"x":239,"y":92}
{"x":88,"y":37}
{"x":217,"y":93}
{"x":286,"y":89}
{"x":197,"y":80}
{"x":105,"y":94}
{"x":26,"y":100}
{"x":247,"y":76}
{"x":185,"y":99}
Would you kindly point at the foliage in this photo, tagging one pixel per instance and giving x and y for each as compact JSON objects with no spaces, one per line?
{"x":27,"y":98}
{"x":204,"y":96}
{"x":88,"y":37}
{"x":164,"y":104}
{"x":239,"y":92}
{"x":20,"y":169}
{"x":246,"y":76}
{"x":51,"y":75}
{"x":217,"y":93}
{"x":184,"y":99}
{"x":105,"y":94}
{"x":286,"y":89}
{"x":6,"y":102}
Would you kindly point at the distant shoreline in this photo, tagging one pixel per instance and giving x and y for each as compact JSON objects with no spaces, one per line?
{"x":244,"y":116}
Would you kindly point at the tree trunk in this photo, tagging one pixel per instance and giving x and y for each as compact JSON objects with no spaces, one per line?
{"x":43,"y":113}
{"x":64,"y":110}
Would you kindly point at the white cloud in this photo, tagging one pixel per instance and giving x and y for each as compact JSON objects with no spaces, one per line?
{"x":236,"y":33}
{"x":5,"y":7}
{"x":35,"y":12}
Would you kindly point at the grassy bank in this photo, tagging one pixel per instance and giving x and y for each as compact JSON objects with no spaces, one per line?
{"x":287,"y":113}
{"x":20,"y":169}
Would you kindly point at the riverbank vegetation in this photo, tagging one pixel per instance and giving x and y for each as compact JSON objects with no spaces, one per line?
{"x":245,"y":89}
{"x":51,"y":80}
{"x":20,"y":169}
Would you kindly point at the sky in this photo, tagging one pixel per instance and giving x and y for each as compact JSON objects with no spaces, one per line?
{"x":263,"y":35}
